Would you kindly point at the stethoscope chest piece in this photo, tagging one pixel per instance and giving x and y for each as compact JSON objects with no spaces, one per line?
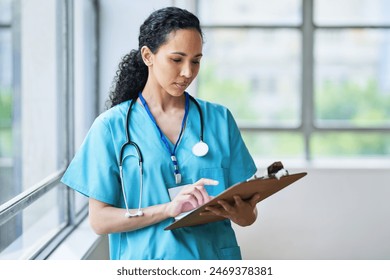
{"x":200,"y":149}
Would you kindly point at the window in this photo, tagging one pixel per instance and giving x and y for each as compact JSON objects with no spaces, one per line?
{"x":352,"y":88}
{"x":39,"y":45}
{"x":305,"y":79}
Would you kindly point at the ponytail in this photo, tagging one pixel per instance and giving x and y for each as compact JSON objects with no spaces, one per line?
{"x":130,"y":78}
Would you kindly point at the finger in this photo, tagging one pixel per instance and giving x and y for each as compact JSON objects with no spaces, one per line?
{"x":215,"y":211}
{"x":205,"y":196}
{"x":207,"y":213}
{"x":186,"y":189}
{"x":228,"y":208}
{"x":254,"y":199}
{"x":206,"y":181}
{"x":198,"y":195}
{"x":189,"y":198}
{"x":238,"y":200}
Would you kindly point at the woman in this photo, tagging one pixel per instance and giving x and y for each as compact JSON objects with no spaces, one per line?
{"x":136,"y":190}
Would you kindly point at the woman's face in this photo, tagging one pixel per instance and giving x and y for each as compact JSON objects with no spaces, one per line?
{"x":177,"y":62}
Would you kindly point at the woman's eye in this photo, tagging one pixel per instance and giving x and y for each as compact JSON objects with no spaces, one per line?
{"x":179,"y":60}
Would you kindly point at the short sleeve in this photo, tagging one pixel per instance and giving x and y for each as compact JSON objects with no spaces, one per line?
{"x":94,"y":170}
{"x":242,"y":166}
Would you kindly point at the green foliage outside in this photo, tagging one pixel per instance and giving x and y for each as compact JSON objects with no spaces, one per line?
{"x":274,"y":145}
{"x":346,"y":104}
{"x":5,"y":123}
{"x":225,"y":91}
{"x":5,"y":106}
{"x":357,"y":106}
{"x":350,"y":144}
{"x":236,"y":95}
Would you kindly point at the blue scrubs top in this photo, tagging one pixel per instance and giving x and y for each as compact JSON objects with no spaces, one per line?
{"x":94,"y":172}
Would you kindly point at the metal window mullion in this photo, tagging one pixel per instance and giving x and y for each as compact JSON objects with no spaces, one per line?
{"x":96,"y":56}
{"x":351,"y":129}
{"x":269,"y":129}
{"x":17,"y":96}
{"x":68,"y":62}
{"x":386,"y":26}
{"x":307,"y":101}
{"x":250,"y":26}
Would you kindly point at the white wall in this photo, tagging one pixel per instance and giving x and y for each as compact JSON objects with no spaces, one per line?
{"x":329,"y":214}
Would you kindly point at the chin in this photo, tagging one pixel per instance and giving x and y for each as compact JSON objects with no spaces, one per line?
{"x":176,"y":92}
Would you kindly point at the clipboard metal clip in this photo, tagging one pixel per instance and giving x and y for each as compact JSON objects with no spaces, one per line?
{"x":276,"y":170}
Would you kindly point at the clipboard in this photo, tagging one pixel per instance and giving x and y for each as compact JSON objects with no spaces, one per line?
{"x":264,"y":186}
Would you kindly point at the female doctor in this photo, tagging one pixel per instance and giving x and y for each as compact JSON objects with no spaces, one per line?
{"x":157,"y":153}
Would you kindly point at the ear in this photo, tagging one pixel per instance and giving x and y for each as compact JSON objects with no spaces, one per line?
{"x":147,"y":56}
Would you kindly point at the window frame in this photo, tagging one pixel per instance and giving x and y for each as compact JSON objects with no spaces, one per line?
{"x":307,"y":29}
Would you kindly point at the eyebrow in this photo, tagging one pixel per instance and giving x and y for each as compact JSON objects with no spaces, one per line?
{"x":184,"y":54}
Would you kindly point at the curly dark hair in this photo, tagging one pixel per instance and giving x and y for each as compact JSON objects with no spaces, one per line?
{"x":132,"y":74}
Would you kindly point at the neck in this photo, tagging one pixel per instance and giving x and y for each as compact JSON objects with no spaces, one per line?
{"x":163,"y":101}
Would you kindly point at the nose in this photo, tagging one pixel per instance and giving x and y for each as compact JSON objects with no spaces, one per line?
{"x":187,"y":70}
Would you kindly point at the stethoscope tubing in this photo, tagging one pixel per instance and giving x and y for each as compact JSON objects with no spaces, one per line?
{"x":140,"y":158}
{"x":127,"y":130}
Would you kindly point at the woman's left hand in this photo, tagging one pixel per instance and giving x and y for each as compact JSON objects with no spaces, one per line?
{"x":243,"y":213}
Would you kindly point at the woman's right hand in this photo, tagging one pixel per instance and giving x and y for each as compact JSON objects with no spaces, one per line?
{"x":190,"y":197}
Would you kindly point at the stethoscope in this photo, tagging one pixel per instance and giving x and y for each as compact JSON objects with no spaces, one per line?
{"x":199,"y":149}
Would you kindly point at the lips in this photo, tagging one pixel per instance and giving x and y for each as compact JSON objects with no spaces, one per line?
{"x":182,"y":85}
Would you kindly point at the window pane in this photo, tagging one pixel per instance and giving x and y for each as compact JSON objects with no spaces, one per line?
{"x":256,"y":73}
{"x":6,"y":142}
{"x":360,"y":12}
{"x":30,"y":229}
{"x":351,"y":145}
{"x":352,"y":77}
{"x":5,"y":11}
{"x":274,"y":145}
{"x":42,"y":103}
{"x":250,"y":12}
{"x":5,"y":83}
